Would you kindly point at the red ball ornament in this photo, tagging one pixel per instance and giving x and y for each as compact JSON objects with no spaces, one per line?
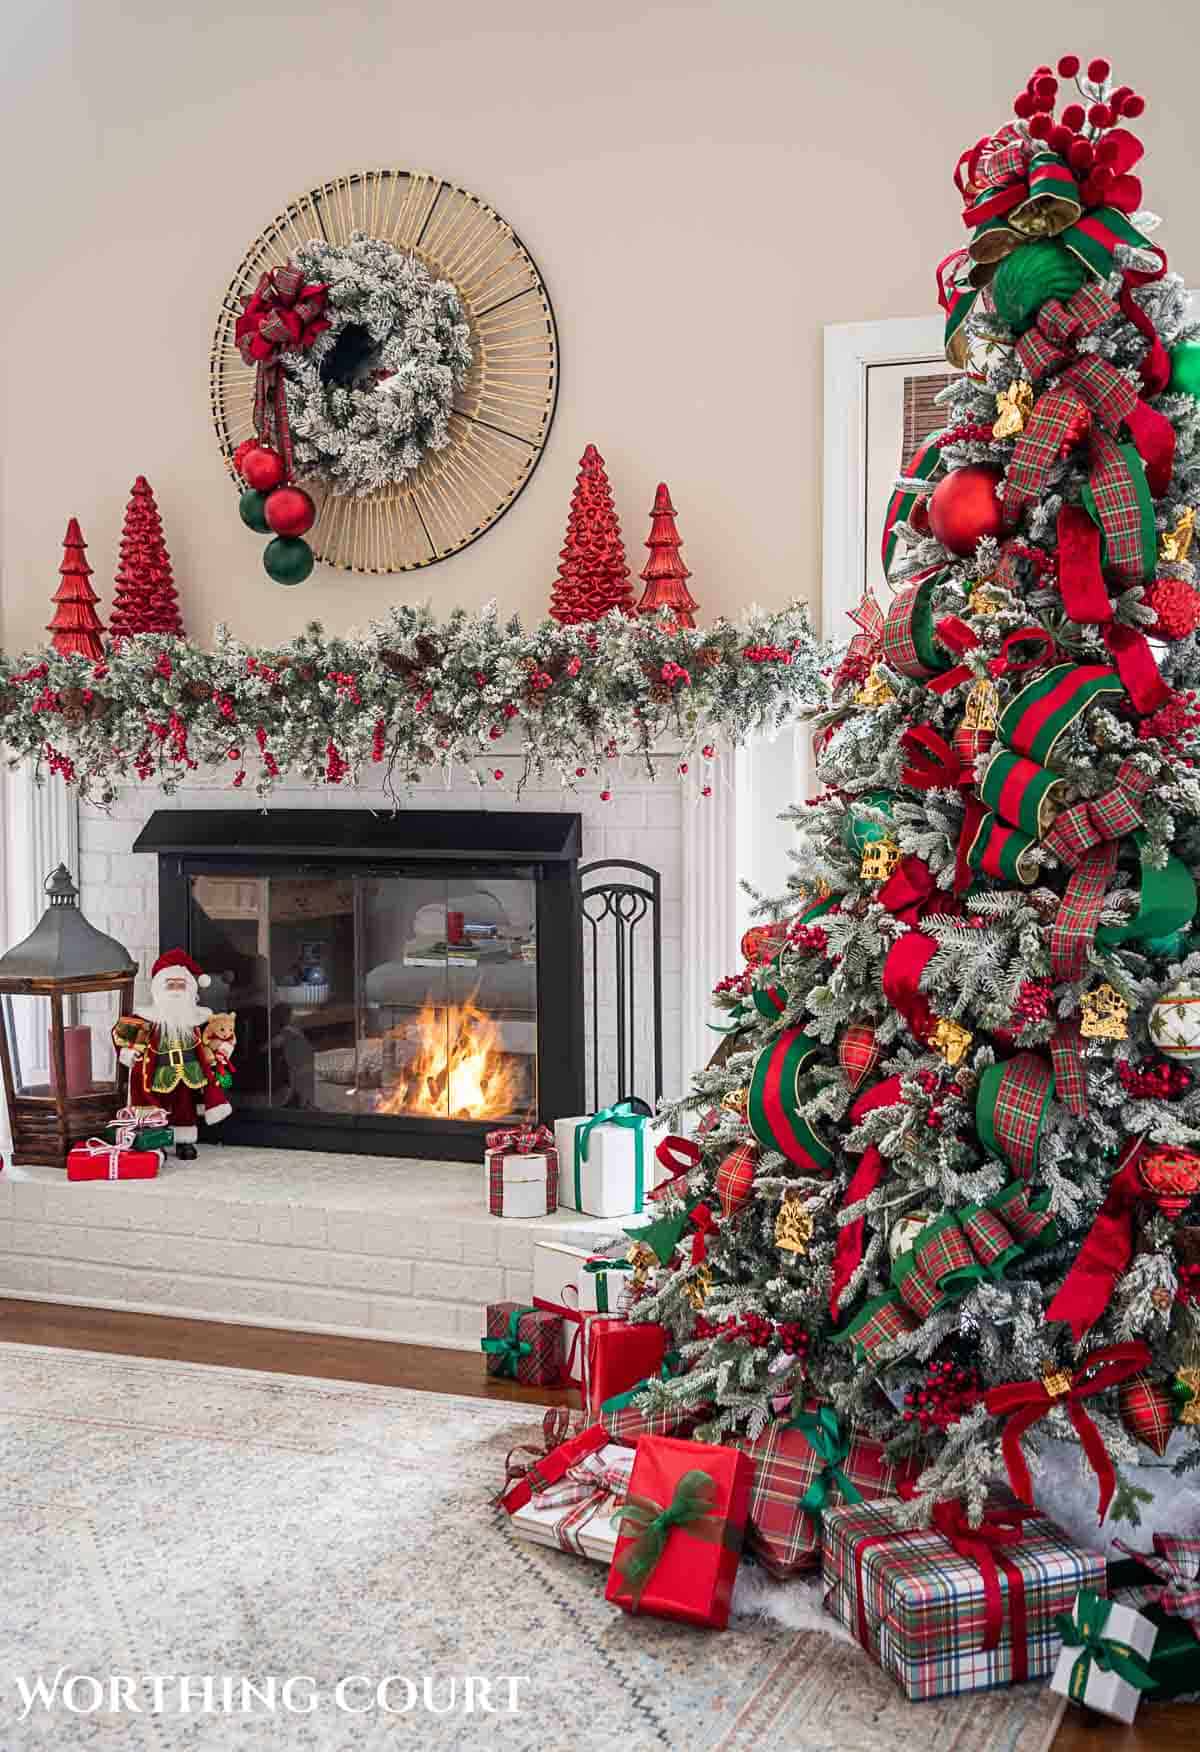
{"x":1040,"y":125}
{"x":262,"y":469}
{"x":1073,"y":117}
{"x":1100,"y":116}
{"x":858,"y":1053}
{"x":1023,"y":105}
{"x":1177,"y":607}
{"x":1133,"y":106}
{"x":1147,"y":1411}
{"x":964,"y":508}
{"x":242,"y":452}
{"x":290,"y":511}
{"x":735,"y":1178}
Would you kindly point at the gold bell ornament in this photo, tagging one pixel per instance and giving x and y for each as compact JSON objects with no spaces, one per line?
{"x":1104,"y":1014}
{"x":643,"y":1259}
{"x":1175,"y":544}
{"x":793,"y":1224}
{"x":982,"y":601}
{"x":698,"y":1286}
{"x":874,"y":690}
{"x":879,"y":860}
{"x":1013,"y":408}
{"x":982,"y":709}
{"x":951,"y":1039}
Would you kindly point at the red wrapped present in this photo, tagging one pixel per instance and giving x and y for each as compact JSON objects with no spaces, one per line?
{"x":525,"y":1481}
{"x":800,"y":1468}
{"x":526,"y":1344}
{"x":98,"y":1160}
{"x":620,"y":1356}
{"x":682,"y":1526}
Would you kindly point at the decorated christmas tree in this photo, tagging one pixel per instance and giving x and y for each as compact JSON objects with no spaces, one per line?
{"x":145,"y":600}
{"x":593,"y":574}
{"x":946,"y":1177}
{"x":76,"y":626}
{"x":664,"y":574}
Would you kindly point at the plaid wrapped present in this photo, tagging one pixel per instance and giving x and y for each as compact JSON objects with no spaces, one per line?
{"x":949,"y":1608}
{"x":801,"y":1468}
{"x":628,"y":1423}
{"x":521,"y":1172}
{"x":578,"y":1513}
{"x":523,"y":1343}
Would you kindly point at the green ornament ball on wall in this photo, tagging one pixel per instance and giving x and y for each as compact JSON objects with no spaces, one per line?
{"x":251,"y":512}
{"x":1185,"y":369}
{"x":288,"y":559}
{"x":858,"y":834}
{"x":1032,"y":273}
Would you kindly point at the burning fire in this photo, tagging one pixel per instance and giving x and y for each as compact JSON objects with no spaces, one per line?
{"x":458,"y":1071}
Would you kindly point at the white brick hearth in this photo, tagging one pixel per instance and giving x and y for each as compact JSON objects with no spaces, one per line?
{"x":373,"y":1247}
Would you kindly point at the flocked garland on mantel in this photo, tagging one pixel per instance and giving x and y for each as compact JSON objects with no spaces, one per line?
{"x":407,"y":697}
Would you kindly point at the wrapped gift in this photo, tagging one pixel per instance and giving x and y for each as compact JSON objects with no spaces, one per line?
{"x":524,"y":1343}
{"x":628,"y":1419}
{"x":1164,"y":1585}
{"x":520,"y":1169}
{"x":620,"y":1356}
{"x":578,"y":1514}
{"x":576,"y":1283}
{"x":802,"y":1467}
{"x":1105,"y":1648}
{"x":951,"y":1608}
{"x":143,"y":1137}
{"x":97,"y":1159}
{"x":681,"y":1534}
{"x":526,"y":1479}
{"x":608,"y":1160}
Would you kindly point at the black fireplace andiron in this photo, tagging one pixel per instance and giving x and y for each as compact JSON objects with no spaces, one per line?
{"x":621,"y":902}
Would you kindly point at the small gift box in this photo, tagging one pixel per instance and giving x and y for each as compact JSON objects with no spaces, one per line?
{"x":99,"y":1160}
{"x":577,"y":1284}
{"x":527,"y":1479}
{"x":524,"y":1343}
{"x":520,"y":1169}
{"x":681,"y":1525}
{"x":1164,"y":1585}
{"x":1103,"y":1663}
{"x":578,"y":1513}
{"x":951,"y":1608}
{"x":620,"y":1356}
{"x":608,"y":1160}
{"x":801,"y":1468}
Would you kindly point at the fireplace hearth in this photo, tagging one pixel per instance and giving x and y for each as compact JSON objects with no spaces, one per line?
{"x":402,"y":982}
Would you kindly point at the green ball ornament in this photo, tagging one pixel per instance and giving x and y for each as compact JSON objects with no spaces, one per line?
{"x":858,"y":834}
{"x":288,"y":559}
{"x":1032,"y":273}
{"x":1185,"y":369}
{"x":251,"y":512}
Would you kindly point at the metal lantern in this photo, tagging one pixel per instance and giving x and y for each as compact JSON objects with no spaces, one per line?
{"x":61,"y":991}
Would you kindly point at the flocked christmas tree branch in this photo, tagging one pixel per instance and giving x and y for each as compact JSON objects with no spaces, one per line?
{"x":409,"y":695}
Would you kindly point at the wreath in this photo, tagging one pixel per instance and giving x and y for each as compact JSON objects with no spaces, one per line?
{"x":374,"y":391}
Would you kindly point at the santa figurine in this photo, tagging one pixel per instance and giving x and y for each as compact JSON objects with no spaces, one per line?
{"x":169,"y":1064}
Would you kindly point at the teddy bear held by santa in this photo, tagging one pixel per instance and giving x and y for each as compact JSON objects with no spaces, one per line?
{"x":175,"y":1059}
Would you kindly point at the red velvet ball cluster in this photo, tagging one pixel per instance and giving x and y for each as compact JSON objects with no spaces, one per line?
{"x":1173,"y":723}
{"x":1078,"y":135}
{"x":1033,"y":1003}
{"x":1177,"y":606}
{"x":948,"y":1393}
{"x":1154,"y":1082}
{"x":808,"y":939}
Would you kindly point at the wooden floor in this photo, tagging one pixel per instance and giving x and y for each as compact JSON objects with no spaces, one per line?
{"x":1166,"y":1728}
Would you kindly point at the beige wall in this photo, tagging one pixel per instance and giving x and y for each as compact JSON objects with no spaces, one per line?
{"x":703,"y":187}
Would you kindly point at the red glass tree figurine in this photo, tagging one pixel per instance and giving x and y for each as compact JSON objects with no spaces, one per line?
{"x":593,"y":574}
{"x":664,"y":574}
{"x":145,"y":599}
{"x":76,"y":627}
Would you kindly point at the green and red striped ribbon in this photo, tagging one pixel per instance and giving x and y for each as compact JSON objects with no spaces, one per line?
{"x":774,"y":1110}
{"x":996,"y":849}
{"x":924,"y":464}
{"x":1020,"y":791}
{"x":1042,"y":712}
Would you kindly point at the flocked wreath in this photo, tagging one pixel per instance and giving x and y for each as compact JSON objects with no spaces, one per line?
{"x":375,"y":391}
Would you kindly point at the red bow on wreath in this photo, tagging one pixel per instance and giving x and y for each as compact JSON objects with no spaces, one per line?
{"x":1022,"y":1403}
{"x":284,"y":314}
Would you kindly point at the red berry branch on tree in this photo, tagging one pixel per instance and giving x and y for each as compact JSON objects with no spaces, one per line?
{"x":593,"y":575}
{"x":76,"y":627}
{"x":664,"y":574}
{"x":145,"y":599}
{"x":1083,"y":134}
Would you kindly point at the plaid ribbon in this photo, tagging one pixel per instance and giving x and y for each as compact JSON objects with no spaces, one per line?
{"x":282,"y":315}
{"x":864,"y":646}
{"x":1010,"y":1109}
{"x":906,"y":641}
{"x":975,"y":1244}
{"x":500,"y":1144}
{"x":1175,"y":1560}
{"x":559,"y":1451}
{"x":1084,"y":1630}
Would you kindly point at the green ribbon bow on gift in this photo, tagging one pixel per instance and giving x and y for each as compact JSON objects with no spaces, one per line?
{"x":625,"y":1114}
{"x":599,"y":1269}
{"x":1085,"y":1632}
{"x":824,"y":1435}
{"x":509,"y":1347}
{"x":691,"y":1507}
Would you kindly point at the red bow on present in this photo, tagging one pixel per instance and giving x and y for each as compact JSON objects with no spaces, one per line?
{"x":521,"y":1140}
{"x":559,"y":1451}
{"x":284,"y":314}
{"x":979,"y":1545}
{"x":1022,"y":1403}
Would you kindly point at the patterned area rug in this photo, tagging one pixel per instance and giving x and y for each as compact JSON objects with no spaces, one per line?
{"x":243,"y":1528}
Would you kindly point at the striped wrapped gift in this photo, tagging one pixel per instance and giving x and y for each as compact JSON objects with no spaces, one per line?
{"x":940,"y":1621}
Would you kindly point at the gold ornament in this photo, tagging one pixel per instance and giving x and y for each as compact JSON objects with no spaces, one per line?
{"x":697,"y":1287}
{"x":982,"y":711}
{"x":793,"y":1225}
{"x":1105,"y":1014}
{"x":951,"y":1039}
{"x":737,"y":1101}
{"x":874,"y":690}
{"x":1190,"y":1378}
{"x":643,"y":1259}
{"x":879,"y":859}
{"x":1176,"y":542}
{"x":1013,"y":407}
{"x":1056,"y":1381}
{"x":981,"y":601}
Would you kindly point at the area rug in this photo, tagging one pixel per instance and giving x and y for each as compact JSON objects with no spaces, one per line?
{"x":314,"y":1564}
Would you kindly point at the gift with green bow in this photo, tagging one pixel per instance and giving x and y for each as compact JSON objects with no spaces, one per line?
{"x":682,"y":1526}
{"x":523,"y":1344}
{"x":1105,"y":1655}
{"x":607,"y":1164}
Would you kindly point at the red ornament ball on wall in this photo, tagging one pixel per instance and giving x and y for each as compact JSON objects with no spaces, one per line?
{"x":262,"y":469}
{"x":964,"y":508}
{"x":290,"y":511}
{"x":735,"y":1177}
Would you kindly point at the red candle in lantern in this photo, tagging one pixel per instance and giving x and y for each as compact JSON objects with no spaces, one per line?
{"x":77,"y":1051}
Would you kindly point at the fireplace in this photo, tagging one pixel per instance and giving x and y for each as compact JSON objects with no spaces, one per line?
{"x":402,"y":982}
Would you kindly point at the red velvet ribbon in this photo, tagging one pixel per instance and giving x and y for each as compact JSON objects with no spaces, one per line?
{"x":705,"y":1224}
{"x":549,"y":1468}
{"x":680,"y":1155}
{"x":909,"y":889}
{"x":959,"y":638}
{"x":1022,"y":1403}
{"x":1087,"y":1289}
{"x":867,"y":1176}
{"x":1130,"y":651}
{"x":981,"y":1546}
{"x":903,"y":966}
{"x":1085,"y":598}
{"x":932,"y":763}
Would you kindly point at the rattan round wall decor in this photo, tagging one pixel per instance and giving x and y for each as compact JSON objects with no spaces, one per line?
{"x":500,"y":405}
